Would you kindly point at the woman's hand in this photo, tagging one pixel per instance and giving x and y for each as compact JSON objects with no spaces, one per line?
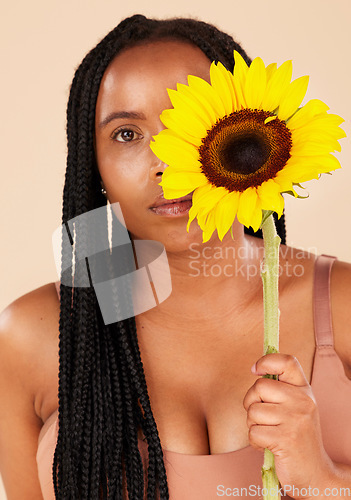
{"x":282,"y":416}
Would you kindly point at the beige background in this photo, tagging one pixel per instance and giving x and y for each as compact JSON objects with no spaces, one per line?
{"x":41,"y":44}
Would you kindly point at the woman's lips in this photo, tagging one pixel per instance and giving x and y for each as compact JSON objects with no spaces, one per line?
{"x":173,"y":208}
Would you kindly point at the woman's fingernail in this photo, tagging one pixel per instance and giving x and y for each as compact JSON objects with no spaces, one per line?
{"x":253,"y":368}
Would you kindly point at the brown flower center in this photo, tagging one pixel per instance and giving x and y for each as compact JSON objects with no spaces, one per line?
{"x":241,"y":151}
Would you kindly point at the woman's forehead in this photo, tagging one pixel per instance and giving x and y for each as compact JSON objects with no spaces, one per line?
{"x":162,"y":60}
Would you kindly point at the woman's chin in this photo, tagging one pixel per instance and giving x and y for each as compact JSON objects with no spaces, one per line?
{"x":178,"y":240}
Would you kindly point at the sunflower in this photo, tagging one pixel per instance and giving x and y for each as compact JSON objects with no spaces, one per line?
{"x":242,"y":141}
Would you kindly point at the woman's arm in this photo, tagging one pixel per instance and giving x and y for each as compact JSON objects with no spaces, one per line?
{"x":23,"y":354}
{"x":283,"y":416}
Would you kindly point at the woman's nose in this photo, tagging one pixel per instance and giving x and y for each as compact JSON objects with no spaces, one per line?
{"x":157,"y":168}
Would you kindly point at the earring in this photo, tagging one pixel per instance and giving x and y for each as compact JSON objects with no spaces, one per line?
{"x":103,"y":190}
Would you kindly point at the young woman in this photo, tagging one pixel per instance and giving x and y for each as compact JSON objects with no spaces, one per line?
{"x":164,"y":404}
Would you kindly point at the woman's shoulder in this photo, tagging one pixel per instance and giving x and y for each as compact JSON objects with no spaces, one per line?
{"x":341,"y":280}
{"x":28,"y":327}
{"x":28,"y":318}
{"x":29,"y":330}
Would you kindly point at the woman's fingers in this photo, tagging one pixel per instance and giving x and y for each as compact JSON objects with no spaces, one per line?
{"x":286,"y":366}
{"x":282,"y":416}
{"x":262,"y":437}
{"x":264,"y":414}
{"x":292,"y":385}
{"x":266,"y":390}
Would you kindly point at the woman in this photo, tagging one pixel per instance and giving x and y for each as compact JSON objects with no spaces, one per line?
{"x":169,"y":391}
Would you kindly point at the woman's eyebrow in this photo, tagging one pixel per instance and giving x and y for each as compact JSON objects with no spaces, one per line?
{"x":121,"y":114}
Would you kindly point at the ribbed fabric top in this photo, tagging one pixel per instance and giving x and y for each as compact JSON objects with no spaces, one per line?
{"x":205,"y":477}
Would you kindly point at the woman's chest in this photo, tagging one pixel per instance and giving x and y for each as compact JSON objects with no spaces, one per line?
{"x":199,"y":420}
{"x":197,"y":395}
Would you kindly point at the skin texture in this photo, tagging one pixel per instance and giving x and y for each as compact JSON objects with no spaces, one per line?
{"x":201,"y":357}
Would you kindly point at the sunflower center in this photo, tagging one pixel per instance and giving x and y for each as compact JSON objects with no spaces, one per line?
{"x":241,"y":151}
{"x":244,"y":154}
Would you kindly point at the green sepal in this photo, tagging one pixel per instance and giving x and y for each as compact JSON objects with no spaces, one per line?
{"x":265,"y":215}
{"x":294,"y":194}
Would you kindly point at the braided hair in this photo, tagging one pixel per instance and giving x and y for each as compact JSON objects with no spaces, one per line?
{"x":103,"y":397}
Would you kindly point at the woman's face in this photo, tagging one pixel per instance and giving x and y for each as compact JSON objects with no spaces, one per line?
{"x":131,"y":98}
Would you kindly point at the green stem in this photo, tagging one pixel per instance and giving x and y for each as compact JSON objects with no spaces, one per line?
{"x":270,"y":279}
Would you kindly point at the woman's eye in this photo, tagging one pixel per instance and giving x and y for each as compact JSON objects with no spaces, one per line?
{"x":125,"y":135}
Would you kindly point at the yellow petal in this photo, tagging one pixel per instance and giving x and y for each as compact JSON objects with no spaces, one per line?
{"x":319,"y":127}
{"x":202,"y":215}
{"x":312,"y":147}
{"x":293,"y":97}
{"x":319,"y":136}
{"x":197,"y":209}
{"x":184,"y":104}
{"x":321,"y":119}
{"x":284,"y":182}
{"x":271,"y":199}
{"x":170,"y":194}
{"x":300,"y":173}
{"x":177,"y":171}
{"x":270,"y":70}
{"x":325,"y":163}
{"x":229,"y":79}
{"x":200,"y":100}
{"x":305,"y":114}
{"x":201,"y":218}
{"x":277,"y":86}
{"x":270,"y":119}
{"x":198,"y":85}
{"x":220,"y":84}
{"x":183,"y":180}
{"x":241,"y":67}
{"x":199,"y":192}
{"x":240,"y":72}
{"x":192,"y":214}
{"x":256,"y":218}
{"x":186,"y":122}
{"x":255,"y":85}
{"x":247,"y":205}
{"x":182,"y":168}
{"x":209,"y":228}
{"x":225,"y":213}
{"x":176,"y":124}
{"x":209,"y":199}
{"x":173,"y":150}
